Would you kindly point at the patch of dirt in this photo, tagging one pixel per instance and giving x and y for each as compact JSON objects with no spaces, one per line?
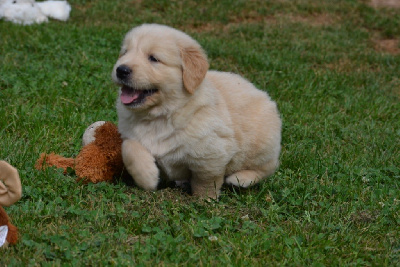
{"x":390,"y":46}
{"x":250,"y":18}
{"x":255,"y":18}
{"x":385,"y":3}
{"x":342,"y":65}
{"x":132,"y":239}
{"x":313,"y":20}
{"x":363,"y":217}
{"x":345,"y":65}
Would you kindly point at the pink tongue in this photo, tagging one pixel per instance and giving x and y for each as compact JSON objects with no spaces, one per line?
{"x":128,"y":95}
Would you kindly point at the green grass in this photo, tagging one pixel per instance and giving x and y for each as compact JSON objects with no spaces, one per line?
{"x":335,"y":199}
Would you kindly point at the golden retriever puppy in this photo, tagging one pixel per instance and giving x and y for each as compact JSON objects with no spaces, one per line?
{"x":180,"y":120}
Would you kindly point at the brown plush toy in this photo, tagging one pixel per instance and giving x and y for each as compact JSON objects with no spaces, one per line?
{"x":100,"y":158}
{"x":10,"y":192}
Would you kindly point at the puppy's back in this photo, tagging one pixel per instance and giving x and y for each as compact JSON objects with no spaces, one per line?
{"x":254,"y":116}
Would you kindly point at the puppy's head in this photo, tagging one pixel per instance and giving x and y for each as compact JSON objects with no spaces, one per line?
{"x":158,"y":65}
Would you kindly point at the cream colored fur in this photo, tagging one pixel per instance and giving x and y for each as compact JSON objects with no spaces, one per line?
{"x":203,"y":126}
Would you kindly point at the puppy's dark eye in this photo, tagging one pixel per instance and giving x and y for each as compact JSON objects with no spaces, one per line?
{"x":153,"y":59}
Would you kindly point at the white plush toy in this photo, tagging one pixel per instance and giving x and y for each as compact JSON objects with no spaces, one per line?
{"x":28,"y":11}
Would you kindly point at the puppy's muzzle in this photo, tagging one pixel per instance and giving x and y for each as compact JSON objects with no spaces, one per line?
{"x":123,"y":72}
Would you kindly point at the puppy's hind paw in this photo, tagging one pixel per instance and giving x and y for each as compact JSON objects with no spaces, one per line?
{"x":244,"y":178}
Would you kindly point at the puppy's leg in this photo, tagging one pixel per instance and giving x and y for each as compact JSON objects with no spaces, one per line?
{"x":206,"y":185}
{"x":248,"y":178}
{"x":140,"y":165}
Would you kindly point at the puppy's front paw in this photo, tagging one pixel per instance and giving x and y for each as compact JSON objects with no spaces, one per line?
{"x":140,"y":165}
{"x":147,"y":176}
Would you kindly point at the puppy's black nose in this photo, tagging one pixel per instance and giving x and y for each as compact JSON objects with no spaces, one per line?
{"x":123,"y":72}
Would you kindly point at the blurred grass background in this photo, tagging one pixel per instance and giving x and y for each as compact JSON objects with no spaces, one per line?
{"x":333,"y":69}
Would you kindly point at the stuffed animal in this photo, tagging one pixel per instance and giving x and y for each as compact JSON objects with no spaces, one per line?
{"x":28,"y":11}
{"x":10,"y":192}
{"x":100,"y":158}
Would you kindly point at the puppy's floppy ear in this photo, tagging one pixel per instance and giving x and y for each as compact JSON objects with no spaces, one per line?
{"x":194,"y":67}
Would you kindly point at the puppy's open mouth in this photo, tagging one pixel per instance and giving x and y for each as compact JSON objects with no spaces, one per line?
{"x":133,"y":97}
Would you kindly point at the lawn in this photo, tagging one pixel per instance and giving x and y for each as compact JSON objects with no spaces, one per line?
{"x":333,"y":68}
